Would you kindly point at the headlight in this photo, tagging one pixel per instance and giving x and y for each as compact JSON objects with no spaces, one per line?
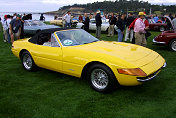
{"x":134,"y":71}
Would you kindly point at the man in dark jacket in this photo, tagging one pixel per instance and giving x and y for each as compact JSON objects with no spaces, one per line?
{"x":86,"y":23}
{"x":121,"y":27}
{"x":130,"y":32}
{"x":112,"y":22}
{"x":98,"y":24}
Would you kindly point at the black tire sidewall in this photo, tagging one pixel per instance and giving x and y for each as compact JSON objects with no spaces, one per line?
{"x":112,"y":80}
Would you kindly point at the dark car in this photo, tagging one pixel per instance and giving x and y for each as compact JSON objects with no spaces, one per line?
{"x":31,"y":27}
{"x":167,"y":38}
{"x":157,"y":26}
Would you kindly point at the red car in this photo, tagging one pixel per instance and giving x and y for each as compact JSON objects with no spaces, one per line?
{"x":167,"y":38}
{"x":157,"y":26}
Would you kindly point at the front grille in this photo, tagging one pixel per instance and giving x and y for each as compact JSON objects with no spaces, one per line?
{"x":147,"y":78}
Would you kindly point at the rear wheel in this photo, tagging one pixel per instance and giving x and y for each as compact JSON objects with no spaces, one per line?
{"x":101,"y":78}
{"x":27,"y":61}
{"x":172,"y":45}
{"x":162,"y":29}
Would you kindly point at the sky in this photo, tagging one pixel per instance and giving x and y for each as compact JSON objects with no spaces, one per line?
{"x":52,"y":5}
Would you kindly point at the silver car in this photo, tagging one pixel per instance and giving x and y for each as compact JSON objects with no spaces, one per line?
{"x":92,"y":25}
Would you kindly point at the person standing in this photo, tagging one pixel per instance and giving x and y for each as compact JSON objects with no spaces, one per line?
{"x":171,"y":17}
{"x":0,"y":20}
{"x":8,"y":26}
{"x":22,"y":26}
{"x":80,"y":18}
{"x":156,"y":19}
{"x":24,"y":17}
{"x":130,"y":32}
{"x":42,"y":18}
{"x":112,"y":21}
{"x":14,"y":15}
{"x":139,"y":29}
{"x":174,"y":23}
{"x":67,"y":19}
{"x":121,"y":27}
{"x":86,"y":23}
{"x":98,"y":24}
{"x":5,"y":27}
{"x":15,"y":28}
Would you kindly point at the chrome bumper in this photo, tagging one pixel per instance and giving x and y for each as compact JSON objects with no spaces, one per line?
{"x":152,"y":76}
{"x":157,"y":42}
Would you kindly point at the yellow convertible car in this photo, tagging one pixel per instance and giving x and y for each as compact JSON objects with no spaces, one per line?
{"x":77,"y":53}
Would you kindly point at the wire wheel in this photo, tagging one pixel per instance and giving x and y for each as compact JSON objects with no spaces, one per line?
{"x":99,"y":78}
{"x":173,"y":45}
{"x":27,"y":61}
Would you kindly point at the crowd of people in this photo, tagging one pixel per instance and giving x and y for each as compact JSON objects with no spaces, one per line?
{"x":129,"y":27}
{"x":137,"y":29}
{"x":13,"y":26}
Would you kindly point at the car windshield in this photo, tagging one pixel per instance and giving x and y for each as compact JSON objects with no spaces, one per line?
{"x":75,"y":37}
{"x":36,"y":23}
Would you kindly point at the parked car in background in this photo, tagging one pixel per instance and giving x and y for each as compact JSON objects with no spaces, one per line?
{"x":31,"y":27}
{"x":157,"y":26}
{"x":92,"y":25}
{"x":167,"y":38}
{"x":60,"y":22}
{"x":75,"y":52}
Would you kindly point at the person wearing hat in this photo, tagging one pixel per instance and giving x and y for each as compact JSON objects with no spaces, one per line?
{"x":15,"y":28}
{"x":4,"y":25}
{"x":140,"y":30}
{"x":98,"y":24}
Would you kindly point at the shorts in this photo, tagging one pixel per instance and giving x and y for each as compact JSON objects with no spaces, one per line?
{"x":15,"y":34}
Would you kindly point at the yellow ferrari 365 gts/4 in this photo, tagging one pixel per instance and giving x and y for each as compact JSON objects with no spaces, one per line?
{"x":77,"y":53}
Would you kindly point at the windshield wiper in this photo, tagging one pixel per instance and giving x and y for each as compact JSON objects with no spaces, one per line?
{"x":94,"y":41}
{"x":91,"y":42}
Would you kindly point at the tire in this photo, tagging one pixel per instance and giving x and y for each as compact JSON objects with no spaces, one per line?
{"x":101,"y":78}
{"x":161,"y":29}
{"x":82,"y":27}
{"x":28,"y":62}
{"x":107,"y":29}
{"x":172,"y":45}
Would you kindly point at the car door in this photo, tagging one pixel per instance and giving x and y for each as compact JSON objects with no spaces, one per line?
{"x":92,"y":25}
{"x":48,"y":56}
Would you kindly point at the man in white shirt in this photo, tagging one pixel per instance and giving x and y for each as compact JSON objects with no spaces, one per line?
{"x":67,"y":19}
{"x":174,"y":23}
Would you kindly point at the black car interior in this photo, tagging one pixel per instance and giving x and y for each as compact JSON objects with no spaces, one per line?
{"x":43,"y":37}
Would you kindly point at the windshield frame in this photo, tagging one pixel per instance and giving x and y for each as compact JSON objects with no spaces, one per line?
{"x":73,"y":45}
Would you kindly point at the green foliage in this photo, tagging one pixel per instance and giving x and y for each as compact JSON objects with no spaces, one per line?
{"x":158,"y":12}
{"x":122,"y":5}
{"x":48,"y":94}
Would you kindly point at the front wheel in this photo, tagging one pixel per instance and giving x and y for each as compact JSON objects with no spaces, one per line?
{"x":172,"y":45}
{"x":101,"y":78}
{"x":27,"y":61}
{"x":162,"y":29}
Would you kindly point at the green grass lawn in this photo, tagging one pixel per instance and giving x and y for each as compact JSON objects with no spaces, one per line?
{"x":48,"y":94}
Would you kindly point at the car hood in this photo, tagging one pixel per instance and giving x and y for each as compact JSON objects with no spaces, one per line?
{"x":133,"y":54}
{"x":41,"y":27}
